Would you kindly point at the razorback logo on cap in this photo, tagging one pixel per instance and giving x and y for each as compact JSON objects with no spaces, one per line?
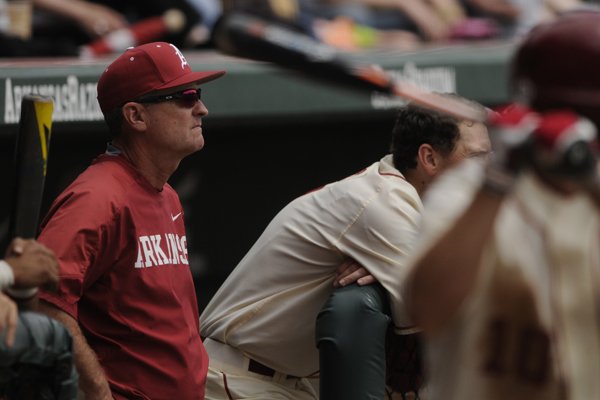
{"x":180,"y":55}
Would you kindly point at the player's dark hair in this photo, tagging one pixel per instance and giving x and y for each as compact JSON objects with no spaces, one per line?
{"x":114,"y":121}
{"x":416,"y":125}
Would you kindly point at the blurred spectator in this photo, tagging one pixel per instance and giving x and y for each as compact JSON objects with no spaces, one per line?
{"x":353,"y":25}
{"x":348,"y":25}
{"x":390,"y":23}
{"x":62,"y":27}
{"x":84,"y":20}
{"x":284,"y":11}
{"x":93,"y":20}
{"x":210,"y":10}
{"x":517,"y":17}
{"x":357,"y":24}
{"x":415,"y":16}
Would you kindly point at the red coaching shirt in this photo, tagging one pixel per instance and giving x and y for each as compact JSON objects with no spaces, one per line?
{"x":125,"y":278}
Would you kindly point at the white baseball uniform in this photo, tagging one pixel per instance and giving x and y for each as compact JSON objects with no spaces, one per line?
{"x":267,"y":307}
{"x":530,"y":329}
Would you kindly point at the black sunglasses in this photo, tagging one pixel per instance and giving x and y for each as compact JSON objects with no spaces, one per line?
{"x":188,"y":98}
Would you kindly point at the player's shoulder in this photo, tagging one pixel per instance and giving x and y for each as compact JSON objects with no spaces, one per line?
{"x":393,"y":183}
{"x":380,"y":178}
{"x":380,"y":171}
{"x":380,"y":186}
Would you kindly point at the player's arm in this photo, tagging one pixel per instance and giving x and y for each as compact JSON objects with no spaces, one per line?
{"x":92,"y":380}
{"x":378,"y":243}
{"x":453,"y":258}
{"x":365,"y":308}
{"x":462,"y":207}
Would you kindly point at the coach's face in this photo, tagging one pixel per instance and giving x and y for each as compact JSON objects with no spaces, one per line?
{"x":175,"y":125}
{"x":474,"y":141}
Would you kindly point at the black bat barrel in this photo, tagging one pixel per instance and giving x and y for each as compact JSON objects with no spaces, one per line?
{"x":31,"y":157}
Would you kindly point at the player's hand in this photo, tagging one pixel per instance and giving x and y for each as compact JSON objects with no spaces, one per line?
{"x":33,"y":264}
{"x":16,"y":247}
{"x":511,"y":129}
{"x":349,"y":272}
{"x":8,"y":319}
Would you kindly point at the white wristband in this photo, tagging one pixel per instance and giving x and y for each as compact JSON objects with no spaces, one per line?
{"x":22,"y":294}
{"x":7,"y":277}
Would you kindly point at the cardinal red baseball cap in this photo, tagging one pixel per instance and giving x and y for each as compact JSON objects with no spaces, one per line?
{"x":145,"y":69}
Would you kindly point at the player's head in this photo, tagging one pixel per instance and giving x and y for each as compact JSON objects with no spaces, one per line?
{"x":556,"y":65}
{"x":149,"y":69}
{"x":424,"y":138}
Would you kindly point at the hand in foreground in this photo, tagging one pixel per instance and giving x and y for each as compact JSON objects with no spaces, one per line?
{"x":349,"y":272}
{"x":33,"y":264}
{"x":511,"y":129}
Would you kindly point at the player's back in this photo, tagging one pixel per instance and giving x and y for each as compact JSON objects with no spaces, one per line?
{"x":268,"y":305}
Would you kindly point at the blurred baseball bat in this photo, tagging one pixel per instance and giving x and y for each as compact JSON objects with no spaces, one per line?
{"x":31,"y":160}
{"x":252,"y":37}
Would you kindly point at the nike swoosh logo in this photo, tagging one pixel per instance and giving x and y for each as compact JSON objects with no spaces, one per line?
{"x":174,"y":217}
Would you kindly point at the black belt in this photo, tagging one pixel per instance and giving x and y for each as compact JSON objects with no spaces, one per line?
{"x":261,"y":369}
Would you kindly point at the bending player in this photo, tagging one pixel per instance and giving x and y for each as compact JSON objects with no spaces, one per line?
{"x":259,"y":328}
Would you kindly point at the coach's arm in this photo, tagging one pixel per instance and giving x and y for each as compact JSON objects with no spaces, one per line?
{"x":92,"y":381}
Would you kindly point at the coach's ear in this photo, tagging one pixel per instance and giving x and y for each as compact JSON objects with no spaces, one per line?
{"x":134,"y":115}
{"x":429,"y":159}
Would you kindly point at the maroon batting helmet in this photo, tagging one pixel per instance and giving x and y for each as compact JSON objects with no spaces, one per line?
{"x":558,"y":65}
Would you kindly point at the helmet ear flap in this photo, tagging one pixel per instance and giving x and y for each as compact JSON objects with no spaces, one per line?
{"x":578,"y":160}
{"x":566,"y":144}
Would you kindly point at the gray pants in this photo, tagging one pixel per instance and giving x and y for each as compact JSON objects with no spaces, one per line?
{"x":39,"y":365}
{"x":351,"y":334}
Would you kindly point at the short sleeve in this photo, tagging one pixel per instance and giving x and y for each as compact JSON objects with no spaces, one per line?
{"x":74,"y":230}
{"x":381,"y":238}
